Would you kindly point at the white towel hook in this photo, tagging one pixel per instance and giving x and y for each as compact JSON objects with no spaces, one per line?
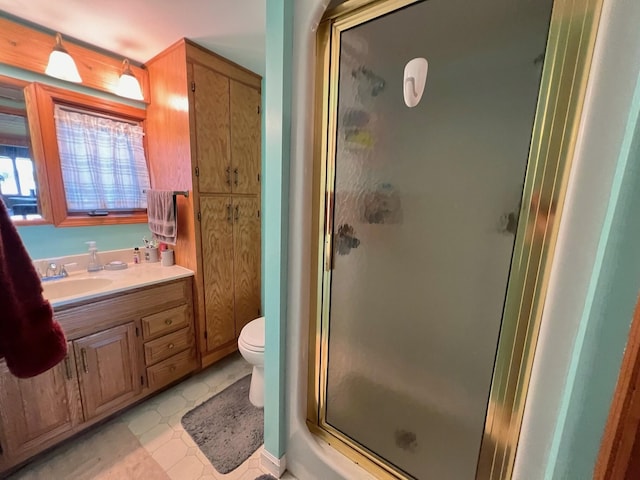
{"x":415,"y":79}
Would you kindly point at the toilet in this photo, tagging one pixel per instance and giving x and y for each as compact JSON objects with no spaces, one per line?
{"x":251,"y":346}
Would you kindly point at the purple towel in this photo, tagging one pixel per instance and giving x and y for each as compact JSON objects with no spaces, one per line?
{"x":31,"y":341}
{"x":161,"y":210}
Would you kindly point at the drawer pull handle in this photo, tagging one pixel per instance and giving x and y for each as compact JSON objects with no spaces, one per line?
{"x":83,"y":354}
{"x":172,"y":368}
{"x":168,"y":321}
{"x":170,"y":346}
{"x":67,"y":367}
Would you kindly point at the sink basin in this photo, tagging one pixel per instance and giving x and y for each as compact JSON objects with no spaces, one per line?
{"x":75,"y":286}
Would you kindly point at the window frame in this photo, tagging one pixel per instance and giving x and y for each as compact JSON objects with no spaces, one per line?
{"x":41,"y":100}
{"x":39,"y":174}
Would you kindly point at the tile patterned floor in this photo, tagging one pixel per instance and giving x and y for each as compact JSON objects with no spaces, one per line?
{"x":156,"y":424}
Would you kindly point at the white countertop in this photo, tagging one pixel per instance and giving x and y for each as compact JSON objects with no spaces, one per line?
{"x":81,"y":286}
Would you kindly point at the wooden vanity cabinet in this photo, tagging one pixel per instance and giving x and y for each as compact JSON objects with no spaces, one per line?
{"x":169,"y":348}
{"x":121,"y":349}
{"x":36,"y":410}
{"x":108,"y":369}
{"x":209,"y":143}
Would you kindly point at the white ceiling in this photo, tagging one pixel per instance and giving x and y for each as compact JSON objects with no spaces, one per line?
{"x":140,"y":29}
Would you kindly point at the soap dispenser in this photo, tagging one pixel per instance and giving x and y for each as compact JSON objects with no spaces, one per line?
{"x":94,"y":264}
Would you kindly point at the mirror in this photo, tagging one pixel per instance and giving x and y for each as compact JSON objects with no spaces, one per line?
{"x":19,"y":188}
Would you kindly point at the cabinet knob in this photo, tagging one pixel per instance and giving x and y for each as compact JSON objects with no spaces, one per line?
{"x":172,"y":368}
{"x":168,"y":321}
{"x":170,"y":346}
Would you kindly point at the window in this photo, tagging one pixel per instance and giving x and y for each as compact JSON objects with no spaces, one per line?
{"x":102,"y":161}
{"x":91,"y":152}
{"x":16,"y":172}
{"x":17,"y":182}
{"x":17,"y":177}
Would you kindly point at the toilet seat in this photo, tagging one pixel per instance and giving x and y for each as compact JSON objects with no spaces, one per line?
{"x":252,"y":335}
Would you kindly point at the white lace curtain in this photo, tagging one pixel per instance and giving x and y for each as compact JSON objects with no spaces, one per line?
{"x":102,"y":160}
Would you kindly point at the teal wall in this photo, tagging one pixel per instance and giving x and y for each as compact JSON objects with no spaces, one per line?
{"x":45,"y":241}
{"x":263,"y":150}
{"x":277,"y":94}
{"x":607,"y":316}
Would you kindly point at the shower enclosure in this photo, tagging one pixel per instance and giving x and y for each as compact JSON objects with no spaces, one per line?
{"x":433,"y":209}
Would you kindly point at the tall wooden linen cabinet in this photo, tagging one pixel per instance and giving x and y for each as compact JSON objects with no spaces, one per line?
{"x":203,"y":135}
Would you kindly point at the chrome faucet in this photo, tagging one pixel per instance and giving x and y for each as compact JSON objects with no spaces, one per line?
{"x":55,"y":271}
{"x":51,"y":270}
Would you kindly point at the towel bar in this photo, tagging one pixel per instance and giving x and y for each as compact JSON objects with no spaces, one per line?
{"x":176,"y":192}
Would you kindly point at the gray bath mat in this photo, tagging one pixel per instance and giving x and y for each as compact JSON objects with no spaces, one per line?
{"x":227,"y":428}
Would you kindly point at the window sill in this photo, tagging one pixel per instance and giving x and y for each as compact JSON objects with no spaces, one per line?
{"x":83,"y":220}
{"x":27,"y":223}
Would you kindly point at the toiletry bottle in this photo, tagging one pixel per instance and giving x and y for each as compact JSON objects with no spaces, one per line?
{"x":94,"y":264}
{"x":136,"y":255}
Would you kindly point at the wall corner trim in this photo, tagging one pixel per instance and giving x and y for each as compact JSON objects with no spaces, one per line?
{"x":271,"y":464}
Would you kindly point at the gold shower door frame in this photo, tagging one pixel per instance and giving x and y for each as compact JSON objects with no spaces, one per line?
{"x":568,"y":55}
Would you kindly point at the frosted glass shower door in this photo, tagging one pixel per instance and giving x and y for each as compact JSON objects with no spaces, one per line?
{"x":425,"y":209}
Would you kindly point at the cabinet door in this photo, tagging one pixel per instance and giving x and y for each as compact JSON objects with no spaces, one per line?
{"x":211,"y":108}
{"x":245,"y":138}
{"x":38,"y":409}
{"x":246,"y":251}
{"x":217,"y":268}
{"x":108,"y":369}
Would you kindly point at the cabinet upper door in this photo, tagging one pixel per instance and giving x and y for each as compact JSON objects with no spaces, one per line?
{"x":246,"y":252}
{"x":245,"y":137}
{"x":217,"y":268}
{"x":211,"y":111}
{"x":38,"y":409}
{"x":108,"y":366}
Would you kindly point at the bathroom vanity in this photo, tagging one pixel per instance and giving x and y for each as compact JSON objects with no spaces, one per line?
{"x":129,"y":337}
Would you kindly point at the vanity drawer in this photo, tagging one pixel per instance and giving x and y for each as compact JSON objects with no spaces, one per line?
{"x":170,"y":344}
{"x":165,"y":322}
{"x":171,"y":369}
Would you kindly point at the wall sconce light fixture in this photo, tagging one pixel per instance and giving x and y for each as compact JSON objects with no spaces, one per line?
{"x":61,"y":65}
{"x":128,"y":85}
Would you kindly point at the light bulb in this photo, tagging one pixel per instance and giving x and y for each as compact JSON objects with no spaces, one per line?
{"x":61,"y":65}
{"x":128,"y":85}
